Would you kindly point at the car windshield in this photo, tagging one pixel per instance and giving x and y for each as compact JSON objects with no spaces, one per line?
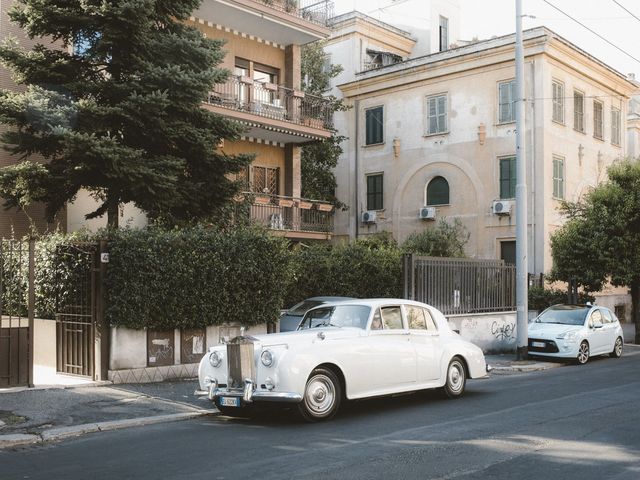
{"x":336,"y":316}
{"x":564,"y":315}
{"x":301,"y":308}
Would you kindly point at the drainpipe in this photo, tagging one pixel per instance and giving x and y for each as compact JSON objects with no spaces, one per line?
{"x":357,"y":160}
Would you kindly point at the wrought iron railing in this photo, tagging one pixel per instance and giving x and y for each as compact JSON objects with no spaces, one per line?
{"x":272,"y":101}
{"x":315,"y":11}
{"x":460,"y":286}
{"x":285,"y":213}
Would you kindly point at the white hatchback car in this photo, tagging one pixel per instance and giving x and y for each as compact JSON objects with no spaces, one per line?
{"x":576,"y":331}
{"x":347,"y":350}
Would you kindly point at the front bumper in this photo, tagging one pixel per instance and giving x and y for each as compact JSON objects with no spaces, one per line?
{"x":556,"y":348}
{"x":249,"y":394}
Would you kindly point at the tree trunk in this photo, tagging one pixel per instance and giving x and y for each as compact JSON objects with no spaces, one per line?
{"x":635,"y":307}
{"x":112,"y":216}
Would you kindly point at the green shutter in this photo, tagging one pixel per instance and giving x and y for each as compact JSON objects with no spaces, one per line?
{"x":374,"y":122}
{"x":508,"y":177}
{"x":374,"y":192}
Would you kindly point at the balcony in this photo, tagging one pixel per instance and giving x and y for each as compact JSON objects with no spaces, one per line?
{"x":287,"y":22}
{"x":287,"y":216}
{"x":272,"y":112}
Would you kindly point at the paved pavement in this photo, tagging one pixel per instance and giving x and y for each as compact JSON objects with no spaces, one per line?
{"x":39,"y":415}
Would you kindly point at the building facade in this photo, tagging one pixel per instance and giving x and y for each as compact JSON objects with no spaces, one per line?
{"x":434,"y":137}
{"x":263,"y":93}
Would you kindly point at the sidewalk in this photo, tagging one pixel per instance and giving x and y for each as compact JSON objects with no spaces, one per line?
{"x":505,"y":364}
{"x":29,"y":416}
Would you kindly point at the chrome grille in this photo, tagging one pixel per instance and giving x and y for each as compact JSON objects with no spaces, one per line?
{"x":241,"y":358}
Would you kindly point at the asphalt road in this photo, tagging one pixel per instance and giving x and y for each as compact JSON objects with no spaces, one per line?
{"x":561,"y":424}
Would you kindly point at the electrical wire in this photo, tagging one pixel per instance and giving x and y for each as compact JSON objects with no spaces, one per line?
{"x":591,"y":30}
{"x":626,"y":9}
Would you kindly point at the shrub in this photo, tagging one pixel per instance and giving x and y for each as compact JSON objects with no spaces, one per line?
{"x":540,"y":298}
{"x":363,"y":269}
{"x":195,"y":277}
{"x":443,"y":240}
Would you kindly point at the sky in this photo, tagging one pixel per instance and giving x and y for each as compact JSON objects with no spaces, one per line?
{"x":487,"y":18}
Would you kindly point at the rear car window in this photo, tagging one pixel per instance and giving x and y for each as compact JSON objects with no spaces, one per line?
{"x":301,"y":308}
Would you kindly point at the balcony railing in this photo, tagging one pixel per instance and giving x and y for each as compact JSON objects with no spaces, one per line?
{"x":315,"y":11}
{"x":285,"y":213}
{"x":272,"y":101}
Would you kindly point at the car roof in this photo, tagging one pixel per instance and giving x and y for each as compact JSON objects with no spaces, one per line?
{"x":373,"y":302}
{"x":329,"y":299}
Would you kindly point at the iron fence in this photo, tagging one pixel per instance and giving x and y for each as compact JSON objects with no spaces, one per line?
{"x":286,"y":213}
{"x":315,"y":11}
{"x":459,"y":286}
{"x":272,"y":101}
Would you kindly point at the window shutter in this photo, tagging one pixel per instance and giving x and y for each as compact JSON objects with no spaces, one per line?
{"x":442,"y":114}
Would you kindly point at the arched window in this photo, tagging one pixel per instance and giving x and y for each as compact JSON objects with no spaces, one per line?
{"x":438,"y":192}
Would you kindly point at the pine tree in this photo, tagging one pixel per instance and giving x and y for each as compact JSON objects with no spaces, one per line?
{"x":113,"y":106}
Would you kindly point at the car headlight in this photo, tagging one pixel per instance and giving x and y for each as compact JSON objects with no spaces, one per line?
{"x":569,"y":336}
{"x":266,"y":358}
{"x":215,"y":359}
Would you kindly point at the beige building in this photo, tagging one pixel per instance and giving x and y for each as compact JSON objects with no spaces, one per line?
{"x":263,"y":93}
{"x":434,"y":137}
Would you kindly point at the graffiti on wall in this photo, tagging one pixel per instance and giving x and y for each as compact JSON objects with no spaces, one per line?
{"x":503,"y":331}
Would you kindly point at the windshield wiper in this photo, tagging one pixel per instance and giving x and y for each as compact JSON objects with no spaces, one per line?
{"x":324,"y":324}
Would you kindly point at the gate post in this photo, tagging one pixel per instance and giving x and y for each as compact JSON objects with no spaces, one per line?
{"x":31,"y":301}
{"x":408,"y":275}
{"x":103,"y":332}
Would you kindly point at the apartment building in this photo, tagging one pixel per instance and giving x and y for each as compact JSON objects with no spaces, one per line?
{"x":263,"y":52}
{"x":264,"y":39}
{"x":433,"y":137}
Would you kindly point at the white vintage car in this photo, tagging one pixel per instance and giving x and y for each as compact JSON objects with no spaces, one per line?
{"x":342,"y":350}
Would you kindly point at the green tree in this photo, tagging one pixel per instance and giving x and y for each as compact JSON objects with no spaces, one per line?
{"x":113,"y":106}
{"x":601,"y":240}
{"x":444,"y":240}
{"x":320,"y":158}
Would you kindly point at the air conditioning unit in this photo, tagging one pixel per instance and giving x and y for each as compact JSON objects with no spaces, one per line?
{"x":427,"y":213}
{"x":369,"y":216}
{"x":502,"y":207}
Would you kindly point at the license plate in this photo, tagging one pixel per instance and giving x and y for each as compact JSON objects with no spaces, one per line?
{"x":229,"y":402}
{"x":538,"y":344}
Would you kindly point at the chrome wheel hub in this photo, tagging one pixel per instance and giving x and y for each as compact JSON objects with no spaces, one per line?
{"x":320,"y":394}
{"x":456,"y":377}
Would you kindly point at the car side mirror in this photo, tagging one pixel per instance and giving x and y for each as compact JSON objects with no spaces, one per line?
{"x":596,"y":325}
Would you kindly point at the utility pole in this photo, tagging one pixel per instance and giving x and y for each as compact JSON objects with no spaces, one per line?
{"x":521,"y":197}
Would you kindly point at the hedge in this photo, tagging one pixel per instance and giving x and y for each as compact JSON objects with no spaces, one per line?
{"x":194,"y":278}
{"x":358,"y":269}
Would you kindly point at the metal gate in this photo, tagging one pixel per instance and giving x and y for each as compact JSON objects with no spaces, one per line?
{"x":460,"y":285}
{"x":16,"y":260}
{"x":76,"y":307}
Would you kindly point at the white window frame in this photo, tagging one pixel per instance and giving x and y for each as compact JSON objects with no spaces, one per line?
{"x":440,"y":120}
{"x":557,"y":93}
{"x":578,"y":123}
{"x":616,"y":121}
{"x":511,"y":89}
{"x":559,"y":177}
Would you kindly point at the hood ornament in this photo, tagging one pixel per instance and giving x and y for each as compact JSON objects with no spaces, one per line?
{"x":321,"y":335}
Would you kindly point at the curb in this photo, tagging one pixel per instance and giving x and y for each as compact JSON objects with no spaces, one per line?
{"x":536,"y":367}
{"x":60,"y":433}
